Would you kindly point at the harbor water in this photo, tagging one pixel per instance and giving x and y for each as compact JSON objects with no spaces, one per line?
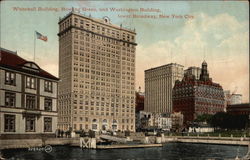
{"x":169,"y":151}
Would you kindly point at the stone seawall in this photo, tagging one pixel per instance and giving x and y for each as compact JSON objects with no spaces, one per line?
{"x":28,"y":143}
{"x":207,"y":140}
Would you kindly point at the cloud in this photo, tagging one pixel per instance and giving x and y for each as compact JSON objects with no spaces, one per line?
{"x":221,"y":40}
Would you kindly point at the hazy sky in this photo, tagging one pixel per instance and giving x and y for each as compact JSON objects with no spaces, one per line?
{"x":217,"y":31}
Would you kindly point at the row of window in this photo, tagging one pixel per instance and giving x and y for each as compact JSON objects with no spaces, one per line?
{"x":31,"y":82}
{"x":116,"y":32}
{"x":30,"y":123}
{"x":31,"y":103}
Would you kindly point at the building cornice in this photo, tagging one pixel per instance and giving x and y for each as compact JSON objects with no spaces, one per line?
{"x":71,"y":27}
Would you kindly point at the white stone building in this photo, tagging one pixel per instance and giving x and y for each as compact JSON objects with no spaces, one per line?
{"x":159,"y":83}
{"x":97,"y":72}
{"x":236,"y":99}
{"x":154,"y":120}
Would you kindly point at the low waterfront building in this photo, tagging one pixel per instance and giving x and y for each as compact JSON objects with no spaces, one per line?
{"x":149,"y":120}
{"x":239,"y":109}
{"x":177,"y":120}
{"x":200,"y":128}
{"x":28,"y":98}
{"x":194,"y":97}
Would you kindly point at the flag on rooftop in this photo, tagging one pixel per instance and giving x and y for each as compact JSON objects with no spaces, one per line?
{"x":41,"y":37}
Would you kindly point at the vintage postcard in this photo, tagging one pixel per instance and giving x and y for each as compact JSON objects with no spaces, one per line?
{"x":124,"y":80}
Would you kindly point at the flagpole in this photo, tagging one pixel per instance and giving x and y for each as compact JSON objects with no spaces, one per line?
{"x":34,"y":46}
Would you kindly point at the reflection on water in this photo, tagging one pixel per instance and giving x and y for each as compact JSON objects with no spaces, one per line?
{"x":169,"y":151}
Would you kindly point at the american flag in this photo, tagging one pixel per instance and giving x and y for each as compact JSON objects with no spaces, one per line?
{"x":40,"y":36}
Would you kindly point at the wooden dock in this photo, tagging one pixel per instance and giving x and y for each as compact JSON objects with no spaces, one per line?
{"x":122,"y":146}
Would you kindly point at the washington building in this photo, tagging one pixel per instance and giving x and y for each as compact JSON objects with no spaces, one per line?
{"x":159,"y":83}
{"x":28,"y":98}
{"x":97,"y":72}
{"x":193,"y":97}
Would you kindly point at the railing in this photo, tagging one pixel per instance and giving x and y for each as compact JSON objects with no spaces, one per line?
{"x":211,"y":134}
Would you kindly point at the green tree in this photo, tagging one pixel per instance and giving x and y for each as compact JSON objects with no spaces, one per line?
{"x":204,"y":118}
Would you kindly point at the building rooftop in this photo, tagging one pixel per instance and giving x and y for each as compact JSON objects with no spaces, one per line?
{"x":96,"y":20}
{"x":165,"y":65}
{"x":10,"y":60}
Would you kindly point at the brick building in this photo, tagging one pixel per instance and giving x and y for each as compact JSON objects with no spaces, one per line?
{"x":193,"y":97}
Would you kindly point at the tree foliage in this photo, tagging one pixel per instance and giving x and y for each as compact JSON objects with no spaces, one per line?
{"x":228,"y":121}
{"x":204,"y":118}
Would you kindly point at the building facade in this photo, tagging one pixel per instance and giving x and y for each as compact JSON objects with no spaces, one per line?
{"x":139,"y":106}
{"x":97,"y":72}
{"x":177,"y":121}
{"x":196,"y":71}
{"x":159,"y":83}
{"x":194,"y":97}
{"x":239,"y":109}
{"x":28,"y":98}
{"x":148,"y":120}
{"x":139,"y":101}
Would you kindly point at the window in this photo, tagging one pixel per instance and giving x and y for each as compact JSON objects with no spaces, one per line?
{"x":30,"y":82}
{"x":10,"y":78}
{"x":48,"y":86}
{"x":94,"y":126}
{"x":47,"y":124}
{"x":48,"y":104}
{"x":30,"y":124}
{"x":30,"y":102}
{"x":9,"y":123}
{"x":10,"y":99}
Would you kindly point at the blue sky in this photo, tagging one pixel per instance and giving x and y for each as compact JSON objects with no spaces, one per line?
{"x":218,"y":33}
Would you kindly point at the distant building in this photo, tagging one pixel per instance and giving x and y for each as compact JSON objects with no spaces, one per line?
{"x":196,"y":71}
{"x":28,"y":98}
{"x":194,"y":97}
{"x":236,"y":99}
{"x":177,"y":120}
{"x":139,"y":106}
{"x":239,"y":109}
{"x":201,"y":128}
{"x":139,"y":101}
{"x":148,"y":120}
{"x":159,"y":83}
{"x":227,"y":97}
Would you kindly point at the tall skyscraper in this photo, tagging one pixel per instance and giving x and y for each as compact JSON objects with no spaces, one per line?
{"x":159,"y":83}
{"x":97,"y":72}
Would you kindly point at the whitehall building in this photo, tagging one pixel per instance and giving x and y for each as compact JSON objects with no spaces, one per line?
{"x":97,"y":72}
{"x":159,"y":83}
{"x":28,"y":98}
